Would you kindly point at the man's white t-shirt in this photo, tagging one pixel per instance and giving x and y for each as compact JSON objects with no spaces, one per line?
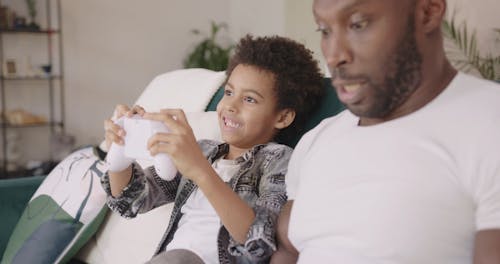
{"x":412,"y":190}
{"x":200,"y":224}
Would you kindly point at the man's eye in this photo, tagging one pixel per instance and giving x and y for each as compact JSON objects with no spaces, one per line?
{"x":324,"y":32}
{"x":249,"y":100}
{"x":359,"y":25}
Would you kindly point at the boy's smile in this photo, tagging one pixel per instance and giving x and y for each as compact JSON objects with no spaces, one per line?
{"x":230,"y":124}
{"x":247,"y":112}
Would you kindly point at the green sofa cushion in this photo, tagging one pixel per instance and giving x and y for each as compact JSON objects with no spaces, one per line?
{"x":14,"y":196}
{"x":329,"y":106}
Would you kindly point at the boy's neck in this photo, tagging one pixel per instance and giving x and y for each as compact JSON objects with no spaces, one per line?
{"x":235,"y":152}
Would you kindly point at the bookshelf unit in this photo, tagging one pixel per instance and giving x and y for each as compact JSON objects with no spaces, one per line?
{"x":46,"y":78}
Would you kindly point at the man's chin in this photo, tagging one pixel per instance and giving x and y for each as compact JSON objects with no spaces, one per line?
{"x":366,"y":112}
{"x":357,"y":110}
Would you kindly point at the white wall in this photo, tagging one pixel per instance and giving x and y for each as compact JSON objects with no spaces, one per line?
{"x":482,"y":16}
{"x":300,"y":25}
{"x":290,"y":18}
{"x":258,"y":17}
{"x":113,"y":48}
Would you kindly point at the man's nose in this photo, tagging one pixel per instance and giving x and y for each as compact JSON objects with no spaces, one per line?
{"x":337,"y":51}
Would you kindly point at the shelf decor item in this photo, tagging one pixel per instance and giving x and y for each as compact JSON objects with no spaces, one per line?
{"x":209,"y":54}
{"x":10,"y":68}
{"x":47,"y":69}
{"x":4,"y":17}
{"x":32,"y":25}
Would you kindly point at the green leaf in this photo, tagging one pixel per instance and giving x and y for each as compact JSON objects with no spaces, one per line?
{"x":466,"y":42}
{"x":208,"y":53}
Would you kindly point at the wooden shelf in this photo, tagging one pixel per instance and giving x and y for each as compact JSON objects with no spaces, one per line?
{"x":26,"y":78}
{"x":29,"y":31}
{"x":46,"y":124}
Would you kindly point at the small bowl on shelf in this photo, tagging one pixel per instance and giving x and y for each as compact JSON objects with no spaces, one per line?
{"x":47,"y":69}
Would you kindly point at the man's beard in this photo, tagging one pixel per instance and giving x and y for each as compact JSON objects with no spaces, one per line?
{"x":403,"y":80}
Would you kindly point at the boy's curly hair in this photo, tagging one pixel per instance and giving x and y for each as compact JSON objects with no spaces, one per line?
{"x":298,"y":80}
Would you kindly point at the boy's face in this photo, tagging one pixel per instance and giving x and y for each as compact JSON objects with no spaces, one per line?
{"x":247,"y":112}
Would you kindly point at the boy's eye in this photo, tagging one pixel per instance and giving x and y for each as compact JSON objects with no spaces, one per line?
{"x":249,"y":99}
{"x":228,"y":92}
{"x":359,"y":25}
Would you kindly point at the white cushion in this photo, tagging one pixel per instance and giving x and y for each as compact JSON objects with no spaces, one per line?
{"x":121,"y":240}
{"x":189,"y":89}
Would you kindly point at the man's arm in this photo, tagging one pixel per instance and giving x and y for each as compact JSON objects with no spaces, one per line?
{"x":286,"y":252}
{"x":487,"y":247}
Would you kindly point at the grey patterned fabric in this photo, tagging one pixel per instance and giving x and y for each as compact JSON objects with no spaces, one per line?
{"x":176,"y":256}
{"x":260,"y":182}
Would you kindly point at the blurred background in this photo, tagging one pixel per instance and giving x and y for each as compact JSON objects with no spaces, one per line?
{"x":111,"y":49}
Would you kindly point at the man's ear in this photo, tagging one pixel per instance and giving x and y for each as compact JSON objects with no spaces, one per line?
{"x":285,"y":118}
{"x":430,"y":14}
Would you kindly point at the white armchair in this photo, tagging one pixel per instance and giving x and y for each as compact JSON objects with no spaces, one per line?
{"x":121,"y":240}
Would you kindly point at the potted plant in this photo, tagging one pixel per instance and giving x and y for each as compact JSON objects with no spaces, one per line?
{"x":32,"y":25}
{"x":209,"y":54}
{"x":469,"y":57}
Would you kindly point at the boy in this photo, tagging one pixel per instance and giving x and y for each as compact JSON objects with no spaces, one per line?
{"x":227,"y":195}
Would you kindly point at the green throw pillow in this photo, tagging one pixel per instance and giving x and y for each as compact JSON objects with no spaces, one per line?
{"x":63,"y":214}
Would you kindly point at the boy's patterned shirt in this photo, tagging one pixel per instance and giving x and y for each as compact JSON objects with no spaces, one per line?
{"x":260,"y":182}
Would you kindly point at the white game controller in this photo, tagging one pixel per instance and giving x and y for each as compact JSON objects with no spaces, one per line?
{"x":138,"y":131}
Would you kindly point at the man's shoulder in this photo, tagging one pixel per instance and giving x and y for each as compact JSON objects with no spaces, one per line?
{"x":326,"y":129}
{"x":476,"y":96}
{"x":469,"y":78}
{"x":475,"y":86}
{"x":344,"y":118}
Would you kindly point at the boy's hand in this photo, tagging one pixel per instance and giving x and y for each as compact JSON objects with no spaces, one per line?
{"x":180,"y":143}
{"x":113,"y":132}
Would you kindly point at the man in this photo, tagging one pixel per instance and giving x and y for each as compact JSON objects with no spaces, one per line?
{"x":410,"y":173}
